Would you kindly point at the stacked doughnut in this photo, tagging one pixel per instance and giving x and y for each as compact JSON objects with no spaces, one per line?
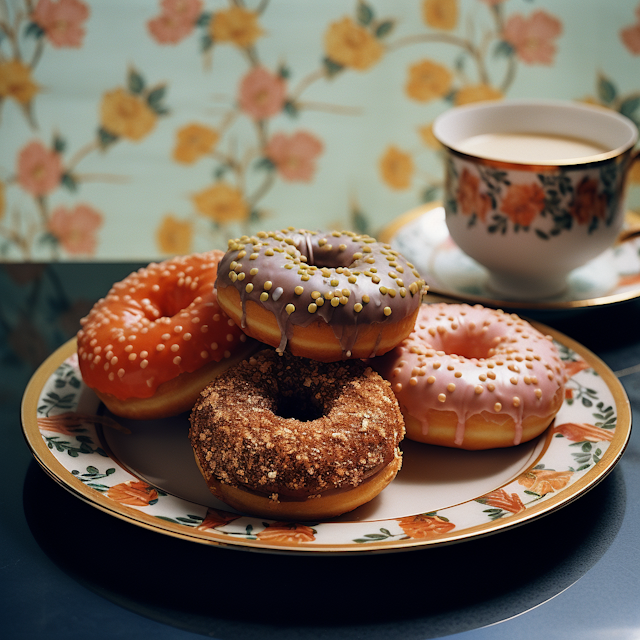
{"x":307,"y":431}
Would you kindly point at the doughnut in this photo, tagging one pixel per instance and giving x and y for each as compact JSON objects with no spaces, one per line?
{"x":151,"y":345}
{"x":284,"y":437}
{"x":327,"y":296}
{"x":474,"y":378}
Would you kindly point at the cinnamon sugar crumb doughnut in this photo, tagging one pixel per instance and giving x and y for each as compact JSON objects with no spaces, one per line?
{"x":291,"y":438}
{"x":474,"y":378}
{"x":326,"y":296}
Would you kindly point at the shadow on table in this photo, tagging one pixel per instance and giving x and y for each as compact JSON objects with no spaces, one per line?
{"x":227,"y":594}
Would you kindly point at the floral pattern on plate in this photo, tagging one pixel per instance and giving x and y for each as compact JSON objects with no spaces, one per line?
{"x":64,"y":429}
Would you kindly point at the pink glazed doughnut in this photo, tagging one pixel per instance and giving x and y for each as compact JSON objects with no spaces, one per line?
{"x":474,"y":378}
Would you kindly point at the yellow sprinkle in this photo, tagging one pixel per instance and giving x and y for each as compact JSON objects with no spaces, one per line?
{"x":320,"y":301}
{"x":267,"y":285}
{"x":497,"y":407}
{"x":538,"y":393}
{"x":451,"y":387}
{"x":241,"y":276}
{"x":387,"y":311}
{"x":315,"y":295}
{"x":335,"y":302}
{"x":233,"y":276}
{"x":357,"y":307}
{"x":335,"y":282}
{"x":442,"y":397}
{"x":249,"y":288}
{"x":353,"y":279}
{"x":365,"y":298}
{"x":264,"y":296}
{"x":269,"y":252}
{"x":312,"y":308}
{"x":516,"y":401}
{"x":431,"y":379}
{"x":298,"y":290}
{"x":413,"y":381}
{"x":383,"y":289}
{"x":254,"y":271}
{"x":479,"y":389}
{"x":289,"y":308}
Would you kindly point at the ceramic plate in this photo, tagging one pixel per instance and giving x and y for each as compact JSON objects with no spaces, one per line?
{"x":144,"y":472}
{"x":422,"y":237}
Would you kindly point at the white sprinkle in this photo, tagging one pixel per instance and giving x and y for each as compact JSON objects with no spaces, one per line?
{"x":277,"y":293}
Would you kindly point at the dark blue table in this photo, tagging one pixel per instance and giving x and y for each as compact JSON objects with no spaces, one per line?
{"x":70,"y":571}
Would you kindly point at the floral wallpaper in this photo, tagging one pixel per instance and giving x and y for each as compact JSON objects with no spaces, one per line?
{"x":136,"y":129}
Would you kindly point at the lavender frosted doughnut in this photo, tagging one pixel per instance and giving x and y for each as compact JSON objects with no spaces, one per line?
{"x":323,"y":295}
{"x":474,"y":378}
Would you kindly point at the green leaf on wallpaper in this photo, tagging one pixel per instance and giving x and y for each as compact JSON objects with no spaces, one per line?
{"x":384,"y":28}
{"x":331,"y":67}
{"x":203,"y":19}
{"x":135,"y":82}
{"x":59,"y":144}
{"x":106,"y":138}
{"x":154,"y":100}
{"x":69,"y":182}
{"x":364,"y":13}
{"x":503,"y":49}
{"x":264,"y":163}
{"x":607,"y":91}
{"x":629,"y":106}
{"x":33,"y":30}
{"x":429,"y":194}
{"x":206,"y":42}
{"x":291,"y":108}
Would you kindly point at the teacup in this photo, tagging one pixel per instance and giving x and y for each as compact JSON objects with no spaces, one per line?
{"x":534,"y":189}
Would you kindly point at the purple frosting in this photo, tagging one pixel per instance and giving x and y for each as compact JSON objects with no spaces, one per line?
{"x":346,"y":279}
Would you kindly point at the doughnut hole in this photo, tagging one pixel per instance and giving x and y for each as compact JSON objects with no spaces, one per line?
{"x":467,"y":343}
{"x":301,"y":408}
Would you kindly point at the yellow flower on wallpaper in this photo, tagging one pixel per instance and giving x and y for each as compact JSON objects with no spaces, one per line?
{"x":396,"y":168}
{"x":634,"y":173}
{"x":16,"y":82}
{"x":174,"y":236}
{"x":440,"y":14}
{"x":222,"y":203}
{"x":427,"y":137}
{"x":194,"y":141}
{"x":235,"y":25}
{"x":351,"y":45}
{"x":126,"y":115}
{"x":476,"y":93}
{"x":428,"y":81}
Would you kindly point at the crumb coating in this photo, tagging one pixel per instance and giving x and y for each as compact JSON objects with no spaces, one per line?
{"x":240,"y":440}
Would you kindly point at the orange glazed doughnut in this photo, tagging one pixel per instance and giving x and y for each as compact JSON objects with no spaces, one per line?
{"x":474,"y":378}
{"x":158,"y":338}
{"x":291,"y":438}
{"x":326,"y":296}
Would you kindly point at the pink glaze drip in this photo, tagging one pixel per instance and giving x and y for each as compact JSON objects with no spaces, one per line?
{"x":471,"y":359}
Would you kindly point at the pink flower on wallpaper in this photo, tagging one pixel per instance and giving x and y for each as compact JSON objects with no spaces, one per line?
{"x":533,"y":37}
{"x":39,"y":169}
{"x":295,"y":155}
{"x":76,"y":228}
{"x":176,"y":20}
{"x":62,"y":21}
{"x":262,"y":93}
{"x":630,"y":35}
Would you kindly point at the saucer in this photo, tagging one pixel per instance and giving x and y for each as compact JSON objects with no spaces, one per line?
{"x":421,"y":235}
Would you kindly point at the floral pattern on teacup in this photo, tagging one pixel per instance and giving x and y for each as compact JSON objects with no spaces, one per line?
{"x":545,"y":202}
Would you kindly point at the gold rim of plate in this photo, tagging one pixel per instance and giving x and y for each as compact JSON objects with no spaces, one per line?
{"x":67,"y":480}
